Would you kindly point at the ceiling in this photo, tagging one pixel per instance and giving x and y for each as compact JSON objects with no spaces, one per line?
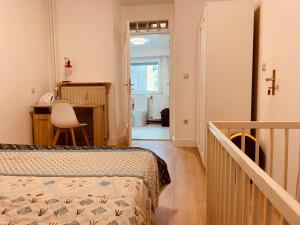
{"x":143,"y":2}
{"x":153,"y":40}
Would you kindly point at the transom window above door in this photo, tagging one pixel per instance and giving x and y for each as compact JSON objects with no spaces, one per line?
{"x":149,"y":26}
{"x":145,"y":78}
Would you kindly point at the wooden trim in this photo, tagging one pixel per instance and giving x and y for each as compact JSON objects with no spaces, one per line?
{"x":82,"y":84}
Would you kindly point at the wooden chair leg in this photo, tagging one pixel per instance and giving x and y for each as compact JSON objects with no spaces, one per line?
{"x":85,"y":136}
{"x":57,"y":133}
{"x":73,"y":137}
{"x":67,"y":136}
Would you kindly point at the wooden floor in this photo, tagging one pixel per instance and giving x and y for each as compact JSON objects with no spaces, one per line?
{"x":184,"y":201}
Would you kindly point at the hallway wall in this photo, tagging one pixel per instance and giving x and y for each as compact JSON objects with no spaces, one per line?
{"x":90,"y":35}
{"x":25,"y":65}
{"x":280,"y":50}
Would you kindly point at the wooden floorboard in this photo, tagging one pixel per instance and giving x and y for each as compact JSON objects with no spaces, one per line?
{"x":184,"y":201}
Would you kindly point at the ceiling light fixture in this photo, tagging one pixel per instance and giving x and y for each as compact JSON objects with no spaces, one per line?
{"x":138,"y":41}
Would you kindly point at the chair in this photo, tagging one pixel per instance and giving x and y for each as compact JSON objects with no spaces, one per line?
{"x":63,"y":117}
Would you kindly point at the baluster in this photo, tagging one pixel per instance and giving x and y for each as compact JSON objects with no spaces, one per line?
{"x":232,"y":191}
{"x":227,"y":190}
{"x":286,"y":156}
{"x":238,"y":196}
{"x":257,"y":147}
{"x":267,"y":212}
{"x":214,"y":178}
{"x":246,"y":195}
{"x":255,"y":205}
{"x":229,"y":133}
{"x":209,"y":176}
{"x":255,"y":193}
{"x":243,"y":143}
{"x":219,"y":174}
{"x":271,"y":151}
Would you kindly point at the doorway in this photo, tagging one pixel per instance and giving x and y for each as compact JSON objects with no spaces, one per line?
{"x":150,"y":90}
{"x":255,"y":66}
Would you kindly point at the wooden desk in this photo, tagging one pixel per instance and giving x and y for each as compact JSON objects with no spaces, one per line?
{"x":87,"y":94}
{"x":93,"y":115}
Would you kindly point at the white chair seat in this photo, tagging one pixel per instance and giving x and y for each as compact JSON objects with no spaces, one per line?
{"x":63,"y":117}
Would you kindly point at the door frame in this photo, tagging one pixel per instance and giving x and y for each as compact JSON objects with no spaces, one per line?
{"x":171,"y":78}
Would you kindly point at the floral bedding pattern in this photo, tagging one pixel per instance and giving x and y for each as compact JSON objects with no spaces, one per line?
{"x":71,"y":186}
{"x":74,"y":201}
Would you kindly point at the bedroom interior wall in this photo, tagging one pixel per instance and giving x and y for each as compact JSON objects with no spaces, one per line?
{"x":280,"y":50}
{"x":24,"y":63}
{"x":89,"y":35}
{"x":187,"y":17}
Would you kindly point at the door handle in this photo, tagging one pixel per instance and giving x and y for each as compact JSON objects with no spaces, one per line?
{"x":128,"y":84}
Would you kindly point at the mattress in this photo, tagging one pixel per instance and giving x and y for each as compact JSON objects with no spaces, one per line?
{"x":79,"y":185}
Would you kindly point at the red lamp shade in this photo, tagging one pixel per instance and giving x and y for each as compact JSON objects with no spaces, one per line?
{"x":68,"y":64}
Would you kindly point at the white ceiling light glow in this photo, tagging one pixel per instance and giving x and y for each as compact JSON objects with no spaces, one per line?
{"x":138,"y":41}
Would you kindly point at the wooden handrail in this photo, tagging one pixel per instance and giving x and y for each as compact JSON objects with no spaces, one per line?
{"x":257,"y":124}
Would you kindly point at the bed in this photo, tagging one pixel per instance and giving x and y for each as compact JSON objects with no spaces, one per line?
{"x":79,"y":185}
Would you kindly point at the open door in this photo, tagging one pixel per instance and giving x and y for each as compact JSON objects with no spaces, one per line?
{"x":127,"y":84}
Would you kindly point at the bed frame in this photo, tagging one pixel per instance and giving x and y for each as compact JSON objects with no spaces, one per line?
{"x":240,"y":192}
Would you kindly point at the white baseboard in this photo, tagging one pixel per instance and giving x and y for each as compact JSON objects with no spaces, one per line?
{"x":184,"y":143}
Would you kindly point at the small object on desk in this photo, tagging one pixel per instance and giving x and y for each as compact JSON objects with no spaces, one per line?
{"x":46,"y":98}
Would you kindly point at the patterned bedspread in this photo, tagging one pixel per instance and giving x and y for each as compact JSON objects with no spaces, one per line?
{"x":76,"y":186}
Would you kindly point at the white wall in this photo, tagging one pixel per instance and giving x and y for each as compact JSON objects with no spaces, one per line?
{"x":84,"y":33}
{"x":24,"y":64}
{"x":119,"y":109}
{"x":187,"y":17}
{"x":280,"y":49}
{"x":90,"y":35}
{"x":148,"y":12}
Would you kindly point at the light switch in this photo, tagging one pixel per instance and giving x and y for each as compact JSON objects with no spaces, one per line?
{"x":186,"y":76}
{"x":264,"y":67}
{"x":32,"y":90}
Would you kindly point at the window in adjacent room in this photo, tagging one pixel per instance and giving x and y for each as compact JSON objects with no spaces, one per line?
{"x":145,"y":78}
